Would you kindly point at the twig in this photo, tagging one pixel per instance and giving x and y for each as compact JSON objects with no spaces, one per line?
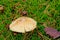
{"x":39,"y":34}
{"x":27,"y":35}
{"x":25,"y":38}
{"x":46,"y":8}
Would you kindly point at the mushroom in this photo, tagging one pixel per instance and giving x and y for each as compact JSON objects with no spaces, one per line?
{"x":23,"y":25}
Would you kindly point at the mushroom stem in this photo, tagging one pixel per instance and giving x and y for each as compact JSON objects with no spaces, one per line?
{"x":39,"y":34}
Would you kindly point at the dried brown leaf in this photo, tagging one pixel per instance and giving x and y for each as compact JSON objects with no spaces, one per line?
{"x":1,"y":8}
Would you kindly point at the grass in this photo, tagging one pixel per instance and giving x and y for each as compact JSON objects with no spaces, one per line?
{"x":43,"y":11}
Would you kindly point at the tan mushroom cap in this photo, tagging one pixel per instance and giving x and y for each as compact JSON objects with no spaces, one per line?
{"x":23,"y":24}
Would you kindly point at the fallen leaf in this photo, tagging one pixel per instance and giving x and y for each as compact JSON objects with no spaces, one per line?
{"x":52,"y":32}
{"x":22,"y":13}
{"x":7,"y":26}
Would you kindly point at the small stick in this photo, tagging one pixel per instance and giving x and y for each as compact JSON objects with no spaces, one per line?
{"x":26,"y":35}
{"x":25,"y":38}
{"x":39,"y":34}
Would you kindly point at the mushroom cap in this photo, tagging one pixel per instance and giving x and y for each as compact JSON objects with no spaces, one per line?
{"x":23,"y":24}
